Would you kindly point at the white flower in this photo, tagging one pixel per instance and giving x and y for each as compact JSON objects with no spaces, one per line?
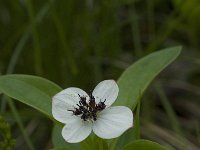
{"x":81,"y":113}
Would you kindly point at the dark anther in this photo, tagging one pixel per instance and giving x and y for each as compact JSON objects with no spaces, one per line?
{"x":88,"y":110}
{"x":101,"y":105}
{"x":82,"y":100}
{"x":85,"y":116}
{"x":94,"y":115}
{"x":76,"y":111}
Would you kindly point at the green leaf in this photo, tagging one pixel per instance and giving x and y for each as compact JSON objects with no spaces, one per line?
{"x":143,"y":145}
{"x":138,"y":76}
{"x":136,"y":79}
{"x":31,"y":90}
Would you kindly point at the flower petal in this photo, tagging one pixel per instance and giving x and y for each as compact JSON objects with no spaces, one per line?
{"x":106,"y":90}
{"x":64,"y":101}
{"x":77,"y":130}
{"x":113,"y":121}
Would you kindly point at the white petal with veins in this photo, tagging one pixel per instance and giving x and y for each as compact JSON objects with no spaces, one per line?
{"x":113,"y":121}
{"x":68,"y":107}
{"x":77,"y":130}
{"x":64,"y":101}
{"x":106,"y":90}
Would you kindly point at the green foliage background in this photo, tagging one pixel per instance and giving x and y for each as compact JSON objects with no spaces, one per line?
{"x":79,"y":43}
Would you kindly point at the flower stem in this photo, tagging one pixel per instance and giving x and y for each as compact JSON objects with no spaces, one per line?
{"x":20,"y":124}
{"x":87,"y":144}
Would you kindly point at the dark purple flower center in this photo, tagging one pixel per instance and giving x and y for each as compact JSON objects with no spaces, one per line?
{"x":88,"y":110}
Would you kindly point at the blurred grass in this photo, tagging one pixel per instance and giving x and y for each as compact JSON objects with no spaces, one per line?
{"x":79,"y":43}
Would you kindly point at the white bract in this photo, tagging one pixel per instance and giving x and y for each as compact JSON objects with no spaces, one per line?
{"x":82,"y":113}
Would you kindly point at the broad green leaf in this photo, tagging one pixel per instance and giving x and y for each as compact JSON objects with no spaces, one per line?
{"x":136,"y":78}
{"x":144,"y":145}
{"x":31,"y":90}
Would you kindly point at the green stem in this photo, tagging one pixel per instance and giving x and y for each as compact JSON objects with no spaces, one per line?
{"x":19,"y":122}
{"x":11,"y":67}
{"x":170,"y":24}
{"x":63,"y":39}
{"x":168,"y":108}
{"x":38,"y":55}
{"x":151,"y":21}
{"x":87,"y":144}
{"x":137,"y":122}
{"x":18,"y":49}
{"x":135,"y":30}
